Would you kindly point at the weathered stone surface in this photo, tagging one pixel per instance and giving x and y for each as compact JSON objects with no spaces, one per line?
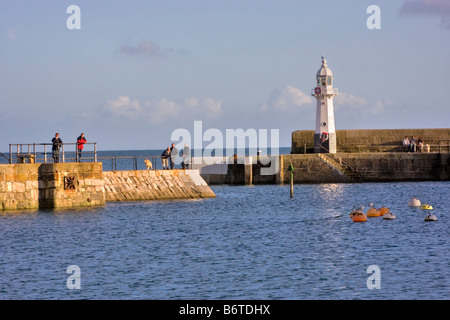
{"x":155,"y":184}
{"x":373,"y":140}
{"x":41,"y":185}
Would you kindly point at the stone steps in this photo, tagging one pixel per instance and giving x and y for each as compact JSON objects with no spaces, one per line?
{"x":343,"y":168}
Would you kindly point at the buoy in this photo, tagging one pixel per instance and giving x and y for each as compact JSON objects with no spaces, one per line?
{"x":430,"y":217}
{"x":383,"y":211}
{"x":359,"y":217}
{"x":373,"y":212}
{"x":389,"y":216}
{"x":352,"y":214}
{"x":414,"y":202}
{"x":426,"y":207}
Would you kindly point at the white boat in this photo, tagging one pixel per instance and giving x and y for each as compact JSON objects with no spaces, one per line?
{"x":389,"y":216}
{"x":430,"y":217}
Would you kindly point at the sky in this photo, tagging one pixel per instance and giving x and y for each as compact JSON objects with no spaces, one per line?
{"x":135,"y":71}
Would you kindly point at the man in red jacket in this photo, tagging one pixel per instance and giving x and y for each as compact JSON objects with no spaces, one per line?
{"x":81,"y":140}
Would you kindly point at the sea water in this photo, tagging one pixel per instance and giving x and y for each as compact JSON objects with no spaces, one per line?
{"x":250,"y":242}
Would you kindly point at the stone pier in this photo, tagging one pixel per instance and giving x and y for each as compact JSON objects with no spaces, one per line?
{"x":70,"y":185}
{"x":155,"y":185}
{"x":51,"y":185}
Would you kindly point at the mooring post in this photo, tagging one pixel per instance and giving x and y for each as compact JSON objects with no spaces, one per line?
{"x":291,"y":174}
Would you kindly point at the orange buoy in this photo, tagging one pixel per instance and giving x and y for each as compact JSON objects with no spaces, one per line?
{"x":383,"y":211}
{"x":373,"y":212}
{"x":359,"y":217}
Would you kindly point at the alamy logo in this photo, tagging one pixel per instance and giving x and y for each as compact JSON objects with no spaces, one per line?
{"x":374,"y":280}
{"x":73,"y":21}
{"x":74,"y":280}
{"x":374,"y":21}
{"x":248,"y":144}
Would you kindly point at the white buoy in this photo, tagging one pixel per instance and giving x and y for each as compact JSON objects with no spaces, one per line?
{"x":389,"y":216}
{"x":431,"y":217}
{"x":414,"y":202}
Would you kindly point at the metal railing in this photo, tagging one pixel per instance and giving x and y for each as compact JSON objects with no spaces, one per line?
{"x":42,"y":152}
{"x":325,"y":91}
{"x":135,"y":162}
{"x":2,"y":155}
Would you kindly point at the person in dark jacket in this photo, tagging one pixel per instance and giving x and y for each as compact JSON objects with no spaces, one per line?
{"x":57,"y":143}
{"x":81,"y":140}
{"x":165,"y":158}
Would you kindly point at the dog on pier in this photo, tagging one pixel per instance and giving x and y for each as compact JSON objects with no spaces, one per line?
{"x":148,"y":163}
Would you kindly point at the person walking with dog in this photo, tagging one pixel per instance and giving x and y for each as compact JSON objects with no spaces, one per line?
{"x":165,"y":158}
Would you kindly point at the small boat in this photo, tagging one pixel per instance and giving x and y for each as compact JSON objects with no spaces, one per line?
{"x":414,"y":202}
{"x":430,"y":217}
{"x":426,"y":207}
{"x":389,"y":216}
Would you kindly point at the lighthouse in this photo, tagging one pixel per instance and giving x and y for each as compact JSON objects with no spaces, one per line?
{"x":325,"y":134}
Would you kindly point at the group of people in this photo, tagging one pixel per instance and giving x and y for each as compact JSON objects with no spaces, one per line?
{"x":413,"y":144}
{"x":170,"y":156}
{"x":57,"y":144}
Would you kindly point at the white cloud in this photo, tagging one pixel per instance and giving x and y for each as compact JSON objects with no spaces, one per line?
{"x":348,"y":102}
{"x":356,"y":112}
{"x":123,"y":107}
{"x":289,"y":99}
{"x":163,"y":110}
{"x":348,"y":99}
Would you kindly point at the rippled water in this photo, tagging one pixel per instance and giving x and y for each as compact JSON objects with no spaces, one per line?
{"x":248,"y":243}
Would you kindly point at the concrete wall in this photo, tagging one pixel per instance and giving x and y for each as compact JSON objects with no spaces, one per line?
{"x":51,"y":185}
{"x":341,"y":168}
{"x":309,"y":168}
{"x":373,"y":140}
{"x":399,"y":166}
{"x":376,"y":167}
{"x":155,"y":185}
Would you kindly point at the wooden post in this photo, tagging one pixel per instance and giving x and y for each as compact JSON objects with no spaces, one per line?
{"x":248,"y":170}
{"x":291,"y":174}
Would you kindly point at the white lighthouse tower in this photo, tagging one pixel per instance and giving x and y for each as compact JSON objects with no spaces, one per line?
{"x":325,"y":134}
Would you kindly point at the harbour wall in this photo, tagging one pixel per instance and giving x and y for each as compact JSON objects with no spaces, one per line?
{"x":155,"y":185}
{"x":68,"y":185}
{"x":335,"y":168}
{"x":373,"y":140}
{"x":51,"y":185}
{"x":366,"y":167}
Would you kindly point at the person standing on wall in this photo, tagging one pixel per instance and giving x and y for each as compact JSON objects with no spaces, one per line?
{"x":165,"y":158}
{"x":173,"y":155}
{"x":186,"y":157}
{"x":57,"y":143}
{"x":413,"y":144}
{"x":406,"y":144}
{"x":81,"y":140}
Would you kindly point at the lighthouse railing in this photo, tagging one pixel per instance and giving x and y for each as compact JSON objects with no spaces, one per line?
{"x":333,"y":91}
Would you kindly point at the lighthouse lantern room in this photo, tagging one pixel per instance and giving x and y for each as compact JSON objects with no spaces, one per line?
{"x":325,"y":134}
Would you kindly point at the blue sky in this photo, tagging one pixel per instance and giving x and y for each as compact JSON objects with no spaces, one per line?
{"x":138,"y":70}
